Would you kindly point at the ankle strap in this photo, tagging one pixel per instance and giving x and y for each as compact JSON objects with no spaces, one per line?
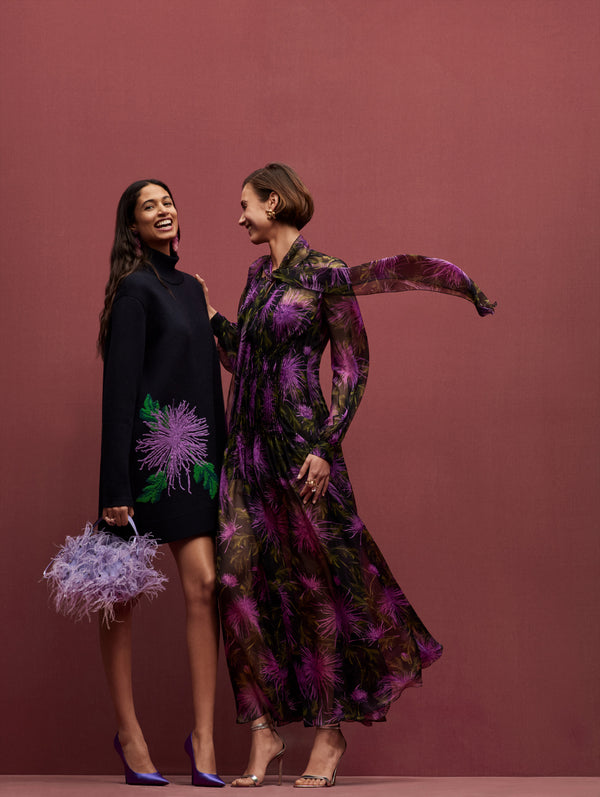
{"x":261,"y":726}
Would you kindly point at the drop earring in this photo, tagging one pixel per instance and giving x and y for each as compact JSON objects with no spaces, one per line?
{"x":271,"y":215}
{"x":175,"y":243}
{"x":137,"y":243}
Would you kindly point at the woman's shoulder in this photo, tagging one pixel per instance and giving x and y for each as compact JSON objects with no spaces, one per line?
{"x":321,"y":260}
{"x":137,"y":285}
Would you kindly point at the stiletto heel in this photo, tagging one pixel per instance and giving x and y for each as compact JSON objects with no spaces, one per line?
{"x":328,"y":781}
{"x":277,"y":757}
{"x":138,"y":778}
{"x":200,"y":778}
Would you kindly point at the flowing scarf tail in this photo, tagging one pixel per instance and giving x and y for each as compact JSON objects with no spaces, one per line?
{"x":392,"y":275}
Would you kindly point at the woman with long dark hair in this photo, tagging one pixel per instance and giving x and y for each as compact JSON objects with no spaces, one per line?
{"x":316,"y":628}
{"x":162,"y":443}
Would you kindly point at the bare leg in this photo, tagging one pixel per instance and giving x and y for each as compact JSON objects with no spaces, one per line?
{"x":266,"y":744}
{"x":115,"y":645}
{"x":195,"y":558}
{"x":328,"y":748}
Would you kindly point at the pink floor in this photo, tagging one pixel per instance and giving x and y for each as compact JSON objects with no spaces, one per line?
{"x":105,"y":786}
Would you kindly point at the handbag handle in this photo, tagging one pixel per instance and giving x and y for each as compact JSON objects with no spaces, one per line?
{"x":129,"y":518}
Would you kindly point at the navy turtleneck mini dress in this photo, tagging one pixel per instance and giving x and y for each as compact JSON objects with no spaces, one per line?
{"x":163,"y":424}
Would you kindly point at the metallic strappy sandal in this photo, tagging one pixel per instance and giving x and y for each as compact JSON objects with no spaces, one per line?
{"x":277,"y":757}
{"x":328,"y":781}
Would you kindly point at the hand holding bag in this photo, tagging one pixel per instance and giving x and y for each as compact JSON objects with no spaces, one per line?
{"x":98,"y":570}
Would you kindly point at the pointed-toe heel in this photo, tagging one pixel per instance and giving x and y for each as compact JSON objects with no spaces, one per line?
{"x":200,"y":778}
{"x":138,"y":778}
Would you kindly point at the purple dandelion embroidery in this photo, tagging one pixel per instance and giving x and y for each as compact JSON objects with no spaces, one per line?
{"x":174,"y":443}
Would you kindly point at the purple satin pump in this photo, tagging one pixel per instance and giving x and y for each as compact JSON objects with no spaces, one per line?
{"x":200,"y":778}
{"x":138,"y":778}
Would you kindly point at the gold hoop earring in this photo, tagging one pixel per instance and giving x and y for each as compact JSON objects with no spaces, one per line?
{"x":271,"y":215}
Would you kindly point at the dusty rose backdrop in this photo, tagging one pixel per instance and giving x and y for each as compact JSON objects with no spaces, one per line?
{"x":461,"y":129}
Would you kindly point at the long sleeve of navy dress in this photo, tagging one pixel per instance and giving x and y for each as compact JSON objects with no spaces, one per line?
{"x":163,"y":426}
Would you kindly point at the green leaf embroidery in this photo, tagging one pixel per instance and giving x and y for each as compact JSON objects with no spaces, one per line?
{"x":149,"y":409}
{"x":155,"y":484}
{"x":205,"y":472}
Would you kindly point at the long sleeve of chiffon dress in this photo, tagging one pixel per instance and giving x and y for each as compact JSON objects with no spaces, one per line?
{"x":316,"y":628}
{"x":163,"y":420}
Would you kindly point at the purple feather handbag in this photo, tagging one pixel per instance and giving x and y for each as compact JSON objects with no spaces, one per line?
{"x":98,"y":570}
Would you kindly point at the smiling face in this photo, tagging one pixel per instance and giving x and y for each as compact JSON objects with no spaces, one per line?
{"x":254,"y":214}
{"x":155,"y":218}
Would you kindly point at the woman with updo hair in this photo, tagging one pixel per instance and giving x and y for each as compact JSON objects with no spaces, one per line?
{"x":316,"y":628}
{"x":163,"y":431}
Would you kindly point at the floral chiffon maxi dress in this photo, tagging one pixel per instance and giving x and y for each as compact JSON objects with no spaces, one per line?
{"x":316,"y":629}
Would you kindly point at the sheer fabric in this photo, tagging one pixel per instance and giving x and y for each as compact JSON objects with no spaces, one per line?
{"x":316,"y":628}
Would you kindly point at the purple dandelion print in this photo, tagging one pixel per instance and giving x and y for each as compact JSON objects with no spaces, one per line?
{"x":359,"y":695}
{"x":318,"y":672}
{"x":310,"y":583}
{"x":339,"y":617}
{"x":290,"y":377}
{"x":243,"y":615}
{"x":292,"y":312}
{"x":446,"y":273}
{"x":345,"y":365}
{"x":271,"y":670}
{"x":229,"y":528}
{"x":391,"y":601}
{"x":316,"y":629}
{"x":229,"y":580}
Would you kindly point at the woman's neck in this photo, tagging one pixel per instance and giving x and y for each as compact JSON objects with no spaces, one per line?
{"x":279,"y":245}
{"x":164,"y":247}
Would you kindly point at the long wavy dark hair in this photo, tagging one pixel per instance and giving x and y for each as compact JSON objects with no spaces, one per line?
{"x":128,"y":253}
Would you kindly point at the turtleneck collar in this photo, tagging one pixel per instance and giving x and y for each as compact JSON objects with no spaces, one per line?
{"x":165,"y":266}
